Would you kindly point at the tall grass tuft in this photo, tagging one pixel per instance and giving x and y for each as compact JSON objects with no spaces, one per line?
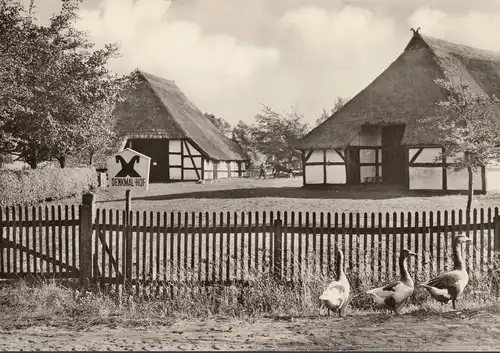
{"x":263,"y":295}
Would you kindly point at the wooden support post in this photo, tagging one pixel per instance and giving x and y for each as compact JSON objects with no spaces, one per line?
{"x":277,"y":248}
{"x":85,"y":241}
{"x":128,"y":237}
{"x":496,"y":234}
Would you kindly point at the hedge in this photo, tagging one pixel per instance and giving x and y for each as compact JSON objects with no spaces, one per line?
{"x":50,"y":183}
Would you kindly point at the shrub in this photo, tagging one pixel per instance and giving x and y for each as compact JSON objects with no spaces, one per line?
{"x":37,"y":185}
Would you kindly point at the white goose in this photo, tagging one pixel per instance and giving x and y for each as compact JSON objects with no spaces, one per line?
{"x":395,"y":293}
{"x":336,"y":295}
{"x":450,"y":285}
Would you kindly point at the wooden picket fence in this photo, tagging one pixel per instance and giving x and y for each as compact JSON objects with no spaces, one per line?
{"x":39,"y":241}
{"x":113,"y":248}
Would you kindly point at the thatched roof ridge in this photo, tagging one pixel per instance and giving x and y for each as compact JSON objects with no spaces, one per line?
{"x":159,"y":109}
{"x":406,"y":92}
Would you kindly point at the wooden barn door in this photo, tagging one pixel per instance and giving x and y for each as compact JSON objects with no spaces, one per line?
{"x":157,"y":149}
{"x":393,"y":155}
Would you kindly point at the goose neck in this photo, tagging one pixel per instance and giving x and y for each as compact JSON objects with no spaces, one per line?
{"x":403,"y":269}
{"x":339,"y":268}
{"x":458,"y":257}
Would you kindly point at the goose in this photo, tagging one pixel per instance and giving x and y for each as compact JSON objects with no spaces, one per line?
{"x":395,"y":293}
{"x":450,"y":285}
{"x":336,"y":294}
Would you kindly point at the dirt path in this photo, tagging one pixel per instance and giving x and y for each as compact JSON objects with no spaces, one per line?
{"x":474,"y":330}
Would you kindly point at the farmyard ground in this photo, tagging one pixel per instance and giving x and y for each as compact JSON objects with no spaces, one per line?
{"x":470,"y":330}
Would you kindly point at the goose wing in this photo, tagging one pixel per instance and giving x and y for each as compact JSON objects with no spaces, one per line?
{"x":444,"y":281}
{"x":392,"y":286}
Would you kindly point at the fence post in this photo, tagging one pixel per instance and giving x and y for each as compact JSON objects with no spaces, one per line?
{"x":277,"y":248}
{"x":85,"y":248}
{"x":496,"y":234}
{"x":128,"y":238}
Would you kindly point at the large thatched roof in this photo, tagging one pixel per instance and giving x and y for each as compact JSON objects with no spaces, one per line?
{"x":157,"y":108}
{"x":406,"y":92}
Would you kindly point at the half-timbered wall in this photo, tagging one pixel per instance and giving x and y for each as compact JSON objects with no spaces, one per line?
{"x":235,"y":170}
{"x":427,"y":171}
{"x":222,"y":169}
{"x":208,"y":169}
{"x":183,"y":161}
{"x":325,"y":166}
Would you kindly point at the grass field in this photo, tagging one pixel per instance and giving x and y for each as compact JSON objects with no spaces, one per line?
{"x":282,"y":194}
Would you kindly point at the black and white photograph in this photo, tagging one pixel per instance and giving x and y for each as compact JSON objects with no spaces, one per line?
{"x":235,"y":175}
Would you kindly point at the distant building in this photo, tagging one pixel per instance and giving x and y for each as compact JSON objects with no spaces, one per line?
{"x":379,"y":133}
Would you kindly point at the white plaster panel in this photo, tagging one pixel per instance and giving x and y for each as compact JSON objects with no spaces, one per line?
{"x":335,"y":174}
{"x":333,"y":156}
{"x":429,"y":155}
{"x":174,"y":159}
{"x":208,"y":175}
{"x":175,"y":173}
{"x":460,"y":180}
{"x":314,"y":174}
{"x":188,"y":163}
{"x":316,"y":156}
{"x":493,"y":178}
{"x":190,"y":175}
{"x":192,"y":149}
{"x":174,"y":146}
{"x":426,"y":178}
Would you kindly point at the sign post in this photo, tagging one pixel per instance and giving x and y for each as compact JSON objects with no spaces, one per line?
{"x":128,"y":170}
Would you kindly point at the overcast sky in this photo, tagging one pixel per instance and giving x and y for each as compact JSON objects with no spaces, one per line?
{"x":231,"y":56}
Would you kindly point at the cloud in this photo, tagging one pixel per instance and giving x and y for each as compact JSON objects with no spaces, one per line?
{"x":331,"y":53}
{"x":206,"y":67}
{"x":473,"y":28}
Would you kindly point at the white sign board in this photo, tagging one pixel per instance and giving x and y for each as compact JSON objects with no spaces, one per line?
{"x":128,"y":169}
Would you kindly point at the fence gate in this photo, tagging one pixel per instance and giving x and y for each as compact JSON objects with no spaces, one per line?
{"x":39,"y":241}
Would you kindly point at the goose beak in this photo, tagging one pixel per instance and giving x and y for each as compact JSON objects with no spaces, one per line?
{"x":411,"y":253}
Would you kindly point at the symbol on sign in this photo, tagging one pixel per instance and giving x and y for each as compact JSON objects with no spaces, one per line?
{"x":127,"y":168}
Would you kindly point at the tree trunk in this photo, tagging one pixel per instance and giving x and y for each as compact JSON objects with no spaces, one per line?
{"x":32,"y":162}
{"x":91,"y":159}
{"x":62,"y":161}
{"x":470,"y":192}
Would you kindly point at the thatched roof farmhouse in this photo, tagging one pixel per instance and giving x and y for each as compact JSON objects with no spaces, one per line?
{"x":158,"y":120}
{"x":379,"y":135}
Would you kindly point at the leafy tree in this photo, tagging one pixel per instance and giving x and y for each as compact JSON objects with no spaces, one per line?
{"x":325,"y":114}
{"x":469,"y":129}
{"x":242,"y":135}
{"x":63,"y":94}
{"x":274,"y":134}
{"x":220,"y":124}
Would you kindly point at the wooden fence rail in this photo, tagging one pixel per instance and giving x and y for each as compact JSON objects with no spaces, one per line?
{"x":135,"y":248}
